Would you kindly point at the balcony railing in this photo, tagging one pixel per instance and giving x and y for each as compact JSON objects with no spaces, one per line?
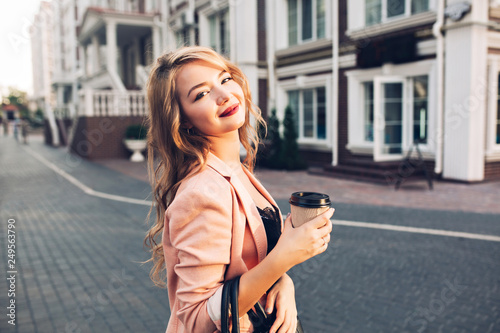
{"x":110,"y":103}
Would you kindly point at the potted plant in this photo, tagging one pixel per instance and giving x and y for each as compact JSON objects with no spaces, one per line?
{"x":135,"y":141}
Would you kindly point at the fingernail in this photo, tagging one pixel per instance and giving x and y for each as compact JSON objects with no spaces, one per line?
{"x":269,"y":310}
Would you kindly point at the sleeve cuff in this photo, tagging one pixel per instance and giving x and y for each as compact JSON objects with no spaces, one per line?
{"x":214,"y":305}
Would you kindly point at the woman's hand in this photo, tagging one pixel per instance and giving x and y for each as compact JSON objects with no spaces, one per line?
{"x":296,"y":245}
{"x":282,"y":296}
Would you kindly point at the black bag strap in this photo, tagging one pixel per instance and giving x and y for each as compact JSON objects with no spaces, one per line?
{"x":229,"y":303}
{"x":234,"y":304}
{"x":225,"y":308}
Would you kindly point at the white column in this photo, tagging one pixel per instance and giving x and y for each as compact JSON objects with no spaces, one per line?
{"x":335,"y":78}
{"x":465,"y":97}
{"x":111,"y":49}
{"x":88,"y":103}
{"x":52,"y":124}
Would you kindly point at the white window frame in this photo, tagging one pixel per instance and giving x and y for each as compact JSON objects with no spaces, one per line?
{"x":314,"y":37}
{"x":356,"y":112}
{"x":356,"y":20}
{"x":204,"y":16}
{"x":304,"y":83}
{"x":384,"y":13}
{"x":492,"y":148}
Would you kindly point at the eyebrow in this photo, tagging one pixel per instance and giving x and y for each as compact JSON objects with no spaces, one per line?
{"x":204,"y":83}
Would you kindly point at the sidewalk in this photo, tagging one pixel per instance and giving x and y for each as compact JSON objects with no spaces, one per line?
{"x":78,"y":255}
{"x":479,"y":198}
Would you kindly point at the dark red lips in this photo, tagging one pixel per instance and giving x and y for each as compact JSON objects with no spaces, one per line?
{"x":230,"y":110}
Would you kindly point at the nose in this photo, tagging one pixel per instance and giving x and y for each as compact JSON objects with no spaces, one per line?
{"x":223,"y":96}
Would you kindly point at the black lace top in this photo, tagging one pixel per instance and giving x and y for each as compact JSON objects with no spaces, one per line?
{"x":272,"y":224}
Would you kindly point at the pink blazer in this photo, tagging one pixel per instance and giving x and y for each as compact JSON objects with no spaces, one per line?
{"x":212,"y":231}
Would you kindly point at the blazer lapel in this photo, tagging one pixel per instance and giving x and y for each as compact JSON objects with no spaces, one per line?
{"x":252,"y":214}
{"x":264,"y":192}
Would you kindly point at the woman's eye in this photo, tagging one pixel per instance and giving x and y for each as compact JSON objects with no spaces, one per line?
{"x":226,"y":79}
{"x":200,"y":95}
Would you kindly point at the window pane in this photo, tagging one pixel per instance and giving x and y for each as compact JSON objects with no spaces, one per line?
{"x":320,"y":19}
{"x":393,"y":113}
{"x":213,"y":32}
{"x":418,"y":6}
{"x":368,"y":121}
{"x":373,"y":11}
{"x":224,"y":33}
{"x":308,"y":123}
{"x":292,"y":22}
{"x":420,"y":108}
{"x":306,"y":19}
{"x":293,"y":101}
{"x":395,"y":7}
{"x":321,"y":113}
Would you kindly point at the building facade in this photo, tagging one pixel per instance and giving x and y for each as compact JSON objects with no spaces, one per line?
{"x":42,"y":57}
{"x":368,"y":80}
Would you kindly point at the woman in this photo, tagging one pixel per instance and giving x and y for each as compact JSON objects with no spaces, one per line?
{"x":210,"y":208}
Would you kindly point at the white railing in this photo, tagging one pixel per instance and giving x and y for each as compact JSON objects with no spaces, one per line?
{"x":111,"y":103}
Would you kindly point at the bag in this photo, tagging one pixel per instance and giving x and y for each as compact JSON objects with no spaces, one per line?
{"x":261,"y":321}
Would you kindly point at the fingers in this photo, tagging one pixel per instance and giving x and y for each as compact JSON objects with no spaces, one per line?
{"x":322,"y":219}
{"x":288,"y":221}
{"x":271,"y":297}
{"x":287,"y":325}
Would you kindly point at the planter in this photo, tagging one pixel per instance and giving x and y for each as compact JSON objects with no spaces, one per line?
{"x":136,"y":146}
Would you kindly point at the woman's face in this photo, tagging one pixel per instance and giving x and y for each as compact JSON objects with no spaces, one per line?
{"x":211,"y":101}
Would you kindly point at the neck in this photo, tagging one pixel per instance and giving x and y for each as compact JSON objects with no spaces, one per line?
{"x":227,"y":149}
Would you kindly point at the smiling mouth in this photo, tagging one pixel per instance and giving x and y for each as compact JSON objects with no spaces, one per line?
{"x":230,"y":110}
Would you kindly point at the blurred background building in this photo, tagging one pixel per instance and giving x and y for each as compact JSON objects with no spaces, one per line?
{"x":366,"y":79}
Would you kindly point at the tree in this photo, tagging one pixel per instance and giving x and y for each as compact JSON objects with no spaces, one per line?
{"x":290,"y":156}
{"x":19,"y":99}
{"x":273,"y":152}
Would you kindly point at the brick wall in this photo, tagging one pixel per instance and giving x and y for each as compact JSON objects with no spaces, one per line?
{"x":261,"y":31}
{"x":102,"y":137}
{"x":492,"y":170}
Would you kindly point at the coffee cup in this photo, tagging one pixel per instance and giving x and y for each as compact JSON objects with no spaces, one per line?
{"x":307,"y":205}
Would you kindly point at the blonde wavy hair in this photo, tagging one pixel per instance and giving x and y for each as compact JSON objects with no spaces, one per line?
{"x":176,"y":152}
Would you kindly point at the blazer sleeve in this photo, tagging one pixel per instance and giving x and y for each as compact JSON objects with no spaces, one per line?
{"x":200,"y":228}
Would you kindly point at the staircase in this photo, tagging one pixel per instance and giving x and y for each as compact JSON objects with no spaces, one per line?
{"x":365,"y":169}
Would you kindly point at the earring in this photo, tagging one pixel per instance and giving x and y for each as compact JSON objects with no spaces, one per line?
{"x":189,"y":131}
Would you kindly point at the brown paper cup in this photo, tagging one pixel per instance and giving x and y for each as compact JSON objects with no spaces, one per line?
{"x":301,"y":215}
{"x":305,"y":206}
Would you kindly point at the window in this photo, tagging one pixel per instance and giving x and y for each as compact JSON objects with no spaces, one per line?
{"x":420,"y":109}
{"x":183,"y":37}
{"x":378,"y":11}
{"x":219,"y":32}
{"x":368,"y":111}
{"x":306,"y":20}
{"x":309,"y":107}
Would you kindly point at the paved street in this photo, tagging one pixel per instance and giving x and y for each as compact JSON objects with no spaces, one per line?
{"x":78,"y":248}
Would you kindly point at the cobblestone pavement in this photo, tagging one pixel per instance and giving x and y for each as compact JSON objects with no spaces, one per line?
{"x":78,"y":256}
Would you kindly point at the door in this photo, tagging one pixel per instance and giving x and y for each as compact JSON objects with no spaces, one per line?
{"x":389,"y":105}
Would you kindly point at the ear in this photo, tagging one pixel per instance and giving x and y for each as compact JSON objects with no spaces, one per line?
{"x":186,"y":125}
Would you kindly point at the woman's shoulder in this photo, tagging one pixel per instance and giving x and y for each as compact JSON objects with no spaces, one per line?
{"x":206,"y":183}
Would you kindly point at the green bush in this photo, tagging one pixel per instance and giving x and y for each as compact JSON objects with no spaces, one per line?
{"x":136,"y":132}
{"x":290,"y":156}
